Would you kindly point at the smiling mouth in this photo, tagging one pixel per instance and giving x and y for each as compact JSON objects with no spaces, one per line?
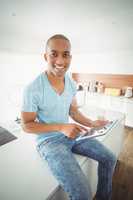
{"x":60,"y":69}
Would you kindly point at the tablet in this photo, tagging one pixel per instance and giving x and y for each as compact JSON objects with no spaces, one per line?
{"x":96,"y":132}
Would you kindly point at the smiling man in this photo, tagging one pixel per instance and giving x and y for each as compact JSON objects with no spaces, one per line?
{"x":47,"y":104}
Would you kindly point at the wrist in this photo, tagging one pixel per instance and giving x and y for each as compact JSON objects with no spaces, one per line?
{"x":58,"y":127}
{"x":54,"y":127}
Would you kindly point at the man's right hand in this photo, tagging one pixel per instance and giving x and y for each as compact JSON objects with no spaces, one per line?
{"x":72,"y":130}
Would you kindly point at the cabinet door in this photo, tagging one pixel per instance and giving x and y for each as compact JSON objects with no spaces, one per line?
{"x":112,"y":103}
{"x":93,"y":99}
{"x":59,"y":195}
{"x":129,"y":114}
{"x":115,"y":140}
{"x":117,"y":104}
{"x":90,"y":170}
{"x":106,"y":102}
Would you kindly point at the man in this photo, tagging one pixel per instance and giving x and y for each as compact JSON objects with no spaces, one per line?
{"x":48,"y":102}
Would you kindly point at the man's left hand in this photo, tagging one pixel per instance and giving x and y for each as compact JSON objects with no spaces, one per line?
{"x":99,"y":123}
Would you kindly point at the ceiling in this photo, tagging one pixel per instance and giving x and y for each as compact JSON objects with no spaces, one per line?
{"x":92,"y":26}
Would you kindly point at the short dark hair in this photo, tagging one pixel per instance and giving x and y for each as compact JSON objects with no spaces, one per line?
{"x":57,"y":36}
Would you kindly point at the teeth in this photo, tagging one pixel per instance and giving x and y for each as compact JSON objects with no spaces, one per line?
{"x":59,"y":67}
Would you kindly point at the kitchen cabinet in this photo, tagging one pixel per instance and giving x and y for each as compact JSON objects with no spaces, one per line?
{"x":129,"y":114}
{"x":119,"y":104}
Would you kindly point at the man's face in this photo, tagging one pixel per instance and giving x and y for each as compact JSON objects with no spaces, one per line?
{"x":58,"y":56}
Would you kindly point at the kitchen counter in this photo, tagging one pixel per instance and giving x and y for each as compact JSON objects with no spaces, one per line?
{"x":25,"y":176}
{"x":114,"y":103}
{"x":103,"y":94}
{"x":121,"y":97}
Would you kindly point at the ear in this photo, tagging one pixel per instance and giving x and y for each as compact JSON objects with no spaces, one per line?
{"x":45,"y":57}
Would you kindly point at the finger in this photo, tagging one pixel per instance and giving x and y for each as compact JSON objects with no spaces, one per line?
{"x":79,"y":129}
{"x":82,"y":130}
{"x":105,"y":122}
{"x":74,"y":134}
{"x":101,"y":122}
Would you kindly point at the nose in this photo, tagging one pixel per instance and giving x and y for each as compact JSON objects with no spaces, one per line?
{"x":59,"y":60}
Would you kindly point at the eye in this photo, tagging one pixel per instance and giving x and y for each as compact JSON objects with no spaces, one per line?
{"x":66,"y":55}
{"x":53,"y":54}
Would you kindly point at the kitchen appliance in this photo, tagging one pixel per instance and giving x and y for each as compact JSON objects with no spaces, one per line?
{"x":129,"y":92}
{"x":112,"y":91}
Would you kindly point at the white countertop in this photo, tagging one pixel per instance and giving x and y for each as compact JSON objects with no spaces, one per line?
{"x":23,"y":173}
{"x":123,"y":98}
{"x":96,"y":94}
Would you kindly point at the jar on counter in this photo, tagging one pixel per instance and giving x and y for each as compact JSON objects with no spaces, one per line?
{"x":92,"y":86}
{"x":100,"y":87}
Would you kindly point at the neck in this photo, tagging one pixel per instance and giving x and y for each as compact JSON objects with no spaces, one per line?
{"x":54,"y":76}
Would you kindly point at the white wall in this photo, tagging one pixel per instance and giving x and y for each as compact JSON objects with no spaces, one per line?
{"x":104,"y":62}
{"x":16,"y":71}
{"x":100,"y":32}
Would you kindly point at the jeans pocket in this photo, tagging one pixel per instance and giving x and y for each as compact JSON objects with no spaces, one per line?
{"x":41,"y":144}
{"x":49,"y":145}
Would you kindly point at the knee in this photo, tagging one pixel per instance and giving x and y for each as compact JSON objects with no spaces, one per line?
{"x":111,"y":159}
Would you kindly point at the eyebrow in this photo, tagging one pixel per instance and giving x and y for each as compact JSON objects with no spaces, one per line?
{"x":66,"y":51}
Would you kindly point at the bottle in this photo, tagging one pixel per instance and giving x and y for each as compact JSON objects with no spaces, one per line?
{"x":92,"y":86}
{"x":100,"y":87}
{"x":96,"y":86}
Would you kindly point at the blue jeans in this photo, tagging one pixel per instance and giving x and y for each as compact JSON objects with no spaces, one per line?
{"x":58,"y":152}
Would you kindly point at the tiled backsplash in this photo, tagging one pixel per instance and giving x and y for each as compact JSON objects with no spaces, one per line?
{"x":109,"y":80}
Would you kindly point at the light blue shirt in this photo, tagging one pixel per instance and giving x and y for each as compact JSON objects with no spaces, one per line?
{"x":40,"y":97}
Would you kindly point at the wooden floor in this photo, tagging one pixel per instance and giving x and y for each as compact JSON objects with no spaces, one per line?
{"x":123,"y":176}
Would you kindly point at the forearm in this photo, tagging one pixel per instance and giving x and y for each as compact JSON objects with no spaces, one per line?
{"x":37,"y":128}
{"x":80,"y":118}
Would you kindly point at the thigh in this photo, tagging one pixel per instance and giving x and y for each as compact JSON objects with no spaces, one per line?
{"x":94,"y":149}
{"x":65,"y":168}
